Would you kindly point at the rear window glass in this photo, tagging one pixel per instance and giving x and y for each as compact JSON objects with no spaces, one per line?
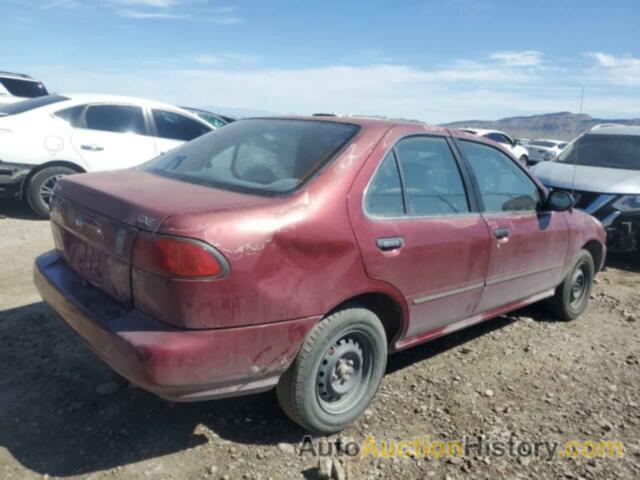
{"x":265,"y":156}
{"x":607,"y":151}
{"x":24,"y":88}
{"x":31,"y":104}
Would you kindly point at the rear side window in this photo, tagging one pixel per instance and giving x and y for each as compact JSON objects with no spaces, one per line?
{"x":499,"y":137}
{"x":24,"y":88}
{"x":31,"y":104}
{"x":384,"y":195}
{"x":264,"y":156}
{"x":177,"y":127}
{"x":432,"y":181}
{"x":115,"y":118}
{"x":503,"y":185}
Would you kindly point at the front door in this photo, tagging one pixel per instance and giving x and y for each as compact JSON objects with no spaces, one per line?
{"x":529,"y":246}
{"x":418,"y":231}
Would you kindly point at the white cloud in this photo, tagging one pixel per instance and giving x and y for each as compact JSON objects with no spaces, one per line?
{"x":526,"y":58}
{"x":619,"y":70}
{"x":461,"y":90}
{"x":61,"y":4}
{"x":140,"y":15}
{"x":147,"y":3}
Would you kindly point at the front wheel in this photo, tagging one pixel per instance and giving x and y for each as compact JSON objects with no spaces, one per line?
{"x":572,"y":296}
{"x":524,"y":160}
{"x":40,"y":188}
{"x":337,"y":371}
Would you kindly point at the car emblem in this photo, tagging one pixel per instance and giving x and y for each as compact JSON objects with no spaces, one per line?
{"x":79,"y":221}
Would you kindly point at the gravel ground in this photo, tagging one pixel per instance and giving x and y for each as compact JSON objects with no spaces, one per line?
{"x":63,"y":413}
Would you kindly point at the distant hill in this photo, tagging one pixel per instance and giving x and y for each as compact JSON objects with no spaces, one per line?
{"x":561,"y":126}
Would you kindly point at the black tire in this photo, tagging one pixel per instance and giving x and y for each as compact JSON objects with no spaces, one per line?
{"x":572,"y":296}
{"x":524,"y":160}
{"x":353,"y":335}
{"x":42,"y":182}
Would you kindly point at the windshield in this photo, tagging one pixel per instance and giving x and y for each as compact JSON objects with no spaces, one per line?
{"x":607,"y":151}
{"x":31,"y":104}
{"x":24,"y":88}
{"x":265,"y":156}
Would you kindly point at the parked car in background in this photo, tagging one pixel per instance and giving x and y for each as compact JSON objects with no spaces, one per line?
{"x":522,"y":141}
{"x":543,"y":150}
{"x":46,"y":138}
{"x":602,"y":170}
{"x":387,"y":234}
{"x":518,"y":151}
{"x":213,"y":119}
{"x":15,"y":87}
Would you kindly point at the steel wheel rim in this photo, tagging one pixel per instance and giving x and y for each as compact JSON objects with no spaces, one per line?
{"x":578,"y":286}
{"x":344,"y":372}
{"x":46,"y":190}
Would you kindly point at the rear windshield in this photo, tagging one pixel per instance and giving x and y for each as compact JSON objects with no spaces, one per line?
{"x":607,"y":151}
{"x":24,"y":88}
{"x":264,"y":156}
{"x":26,"y":105}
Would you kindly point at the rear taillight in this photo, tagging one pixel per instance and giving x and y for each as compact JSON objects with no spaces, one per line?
{"x":177,"y":257}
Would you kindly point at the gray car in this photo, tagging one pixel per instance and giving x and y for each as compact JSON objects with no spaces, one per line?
{"x":602,"y":169}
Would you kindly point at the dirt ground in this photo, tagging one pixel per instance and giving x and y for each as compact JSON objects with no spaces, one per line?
{"x":63,"y":413}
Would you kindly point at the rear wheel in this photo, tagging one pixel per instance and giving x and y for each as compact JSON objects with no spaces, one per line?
{"x":572,"y":296}
{"x":40,"y":188}
{"x":337,"y":372}
{"x":524,"y":160}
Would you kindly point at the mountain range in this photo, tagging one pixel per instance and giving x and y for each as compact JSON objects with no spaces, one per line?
{"x":560,"y":126}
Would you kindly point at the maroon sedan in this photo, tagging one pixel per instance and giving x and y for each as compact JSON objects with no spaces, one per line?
{"x":296,"y":252}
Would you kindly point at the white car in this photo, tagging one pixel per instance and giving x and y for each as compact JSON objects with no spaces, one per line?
{"x":15,"y":87}
{"x":45,"y":138}
{"x":518,"y":151}
{"x":543,"y":150}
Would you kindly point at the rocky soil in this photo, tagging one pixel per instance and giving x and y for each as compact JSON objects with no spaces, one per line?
{"x":63,"y":413}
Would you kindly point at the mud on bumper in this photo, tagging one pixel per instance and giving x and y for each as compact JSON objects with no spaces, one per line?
{"x":176,"y":364}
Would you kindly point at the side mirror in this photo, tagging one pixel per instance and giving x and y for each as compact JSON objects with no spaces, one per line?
{"x":560,"y":201}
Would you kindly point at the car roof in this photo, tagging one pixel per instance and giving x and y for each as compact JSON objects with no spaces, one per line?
{"x":106,"y":98}
{"x":482,"y":131}
{"x":18,"y":76}
{"x":612,"y":129}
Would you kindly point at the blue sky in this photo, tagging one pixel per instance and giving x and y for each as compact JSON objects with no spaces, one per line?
{"x":432,"y":60}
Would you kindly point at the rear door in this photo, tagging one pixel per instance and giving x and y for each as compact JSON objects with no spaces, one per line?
{"x":110,"y":136}
{"x":172,"y":129}
{"x":419,"y":230}
{"x":529,"y":246}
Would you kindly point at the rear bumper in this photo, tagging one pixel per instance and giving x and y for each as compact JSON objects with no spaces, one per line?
{"x":176,"y":364}
{"x":12,"y":175}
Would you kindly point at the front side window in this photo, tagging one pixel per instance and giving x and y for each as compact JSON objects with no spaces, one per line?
{"x":256,"y":155}
{"x":24,"y":88}
{"x":384,"y":195}
{"x":432,"y":181}
{"x":174,"y":126}
{"x":115,"y":118}
{"x":500,"y":138}
{"x":606,"y":151}
{"x":503,"y":185}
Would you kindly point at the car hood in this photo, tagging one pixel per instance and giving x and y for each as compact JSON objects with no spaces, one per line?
{"x":591,"y":179}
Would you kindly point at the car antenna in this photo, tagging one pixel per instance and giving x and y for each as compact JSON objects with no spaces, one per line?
{"x":575,"y":162}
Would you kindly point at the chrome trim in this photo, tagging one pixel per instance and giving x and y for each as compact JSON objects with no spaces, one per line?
{"x":514,"y":276}
{"x":598,"y":203}
{"x":436,"y":296}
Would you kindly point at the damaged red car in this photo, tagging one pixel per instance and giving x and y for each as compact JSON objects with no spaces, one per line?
{"x":296,"y":253}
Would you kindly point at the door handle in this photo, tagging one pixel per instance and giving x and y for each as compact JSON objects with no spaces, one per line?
{"x":92,"y":148}
{"x":390,"y":243}
{"x":501,"y":233}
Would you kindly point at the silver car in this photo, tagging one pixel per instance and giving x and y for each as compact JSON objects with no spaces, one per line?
{"x":602,"y":169}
